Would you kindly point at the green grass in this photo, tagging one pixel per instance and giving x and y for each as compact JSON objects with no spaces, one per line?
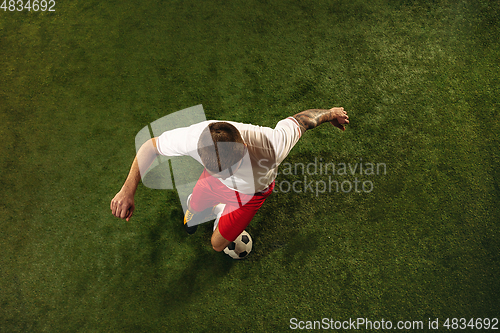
{"x":420,"y":81}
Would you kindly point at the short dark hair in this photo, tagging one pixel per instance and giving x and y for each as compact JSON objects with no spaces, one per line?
{"x":220,"y":146}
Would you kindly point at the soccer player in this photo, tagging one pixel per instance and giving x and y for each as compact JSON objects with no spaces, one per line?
{"x":240,"y":164}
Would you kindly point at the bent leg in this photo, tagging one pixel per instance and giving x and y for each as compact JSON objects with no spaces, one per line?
{"x":234,"y":220}
{"x":219,"y":243}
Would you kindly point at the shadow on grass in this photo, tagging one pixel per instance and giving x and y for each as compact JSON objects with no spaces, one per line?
{"x":197,"y":278}
{"x":181,"y":277}
{"x":300,"y":248}
{"x":156,"y":235}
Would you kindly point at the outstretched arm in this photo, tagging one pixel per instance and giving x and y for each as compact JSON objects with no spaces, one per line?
{"x":310,"y":119}
{"x":122,"y":205}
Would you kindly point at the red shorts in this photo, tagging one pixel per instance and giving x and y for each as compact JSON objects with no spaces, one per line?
{"x":240,"y":208}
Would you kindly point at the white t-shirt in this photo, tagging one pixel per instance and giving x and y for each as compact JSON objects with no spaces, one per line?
{"x":267,"y":148}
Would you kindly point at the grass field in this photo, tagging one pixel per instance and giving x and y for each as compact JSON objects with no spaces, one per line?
{"x":419,"y":79}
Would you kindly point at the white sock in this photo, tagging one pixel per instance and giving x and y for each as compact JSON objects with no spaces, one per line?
{"x":218,"y":212}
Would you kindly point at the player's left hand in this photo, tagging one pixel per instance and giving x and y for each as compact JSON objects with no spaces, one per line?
{"x":340,"y":117}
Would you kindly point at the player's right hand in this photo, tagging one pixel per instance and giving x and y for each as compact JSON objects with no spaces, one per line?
{"x":122,"y":205}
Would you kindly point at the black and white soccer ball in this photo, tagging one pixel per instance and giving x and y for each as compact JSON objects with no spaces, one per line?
{"x":241,"y":247}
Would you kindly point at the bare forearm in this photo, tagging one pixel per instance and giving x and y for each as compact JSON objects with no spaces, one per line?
{"x":143,"y":160}
{"x":133,"y":178}
{"x":312,"y":118}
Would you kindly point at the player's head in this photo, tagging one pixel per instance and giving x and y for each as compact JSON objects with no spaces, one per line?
{"x":221,"y":147}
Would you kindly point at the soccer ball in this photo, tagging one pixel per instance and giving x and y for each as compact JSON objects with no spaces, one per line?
{"x":241,"y":247}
